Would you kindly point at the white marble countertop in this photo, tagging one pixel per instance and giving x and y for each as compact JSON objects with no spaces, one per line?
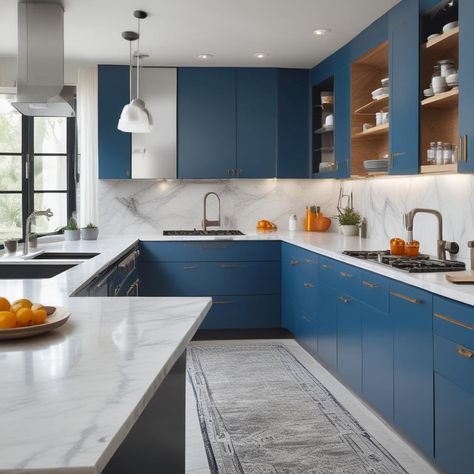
{"x":69,"y":398}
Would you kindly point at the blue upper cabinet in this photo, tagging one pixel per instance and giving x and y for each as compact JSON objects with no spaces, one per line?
{"x":342,"y":120}
{"x":256,"y":98}
{"x":293,"y":123}
{"x":404,"y":60}
{"x":466,"y":85}
{"x":206,"y":122}
{"x":114,"y":146}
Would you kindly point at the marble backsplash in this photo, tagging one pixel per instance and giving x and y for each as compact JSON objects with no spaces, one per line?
{"x":149,"y":206}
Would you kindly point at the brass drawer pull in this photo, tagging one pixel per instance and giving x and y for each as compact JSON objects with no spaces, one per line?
{"x":294,"y":262}
{"x":190,"y":267}
{"x":406,"y":298}
{"x":326,"y":267}
{"x":308,"y":260}
{"x":462,"y":351}
{"x":231,"y":265}
{"x":223,"y":302}
{"x":369,"y":285}
{"x":307,"y":319}
{"x":308,"y":285}
{"x":344,"y":300}
{"x":464,"y":149}
{"x":454,"y":321}
{"x":345,"y":274}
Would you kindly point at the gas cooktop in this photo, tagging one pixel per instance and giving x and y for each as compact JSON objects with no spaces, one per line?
{"x":201,"y":232}
{"x":420,"y":264}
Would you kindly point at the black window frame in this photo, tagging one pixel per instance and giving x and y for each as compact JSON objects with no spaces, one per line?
{"x":27,"y":169}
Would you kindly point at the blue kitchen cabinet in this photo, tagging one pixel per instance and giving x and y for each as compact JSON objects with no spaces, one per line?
{"x":411,"y":314}
{"x":404,"y":60}
{"x":349,"y":341}
{"x":293,"y":123}
{"x":114,"y":146}
{"x":305,"y":329}
{"x":206,"y":122}
{"x":257,"y":114}
{"x":466,"y":85}
{"x":327,"y":324}
{"x":377,"y":359}
{"x":342,"y":121}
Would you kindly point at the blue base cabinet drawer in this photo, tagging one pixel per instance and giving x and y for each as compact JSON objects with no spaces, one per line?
{"x":243,"y":312}
{"x":327,"y":325}
{"x":306,"y":329}
{"x":349,"y":341}
{"x":374,"y":290}
{"x":454,"y":414}
{"x":209,"y":251}
{"x":377,"y":359}
{"x":210,"y":278}
{"x":347,"y":279}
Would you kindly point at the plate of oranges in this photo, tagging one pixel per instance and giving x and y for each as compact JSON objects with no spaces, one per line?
{"x":23,"y":318}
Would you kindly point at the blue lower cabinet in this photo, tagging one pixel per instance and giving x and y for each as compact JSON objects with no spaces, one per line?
{"x":377,"y":359}
{"x":349,"y":341}
{"x":454,"y":414}
{"x":306,"y":329}
{"x":327,"y":325}
{"x":210,"y":278}
{"x":288,"y":311}
{"x":243,"y":312}
{"x":411,"y":313}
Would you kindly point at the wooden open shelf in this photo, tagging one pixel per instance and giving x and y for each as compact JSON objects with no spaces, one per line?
{"x":444,"y":42}
{"x":371,"y":133}
{"x":445,"y":100}
{"x":451,"y":168}
{"x":366,"y":74}
{"x":373,"y":107}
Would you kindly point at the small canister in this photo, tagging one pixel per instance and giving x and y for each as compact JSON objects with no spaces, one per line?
{"x":292,"y":222}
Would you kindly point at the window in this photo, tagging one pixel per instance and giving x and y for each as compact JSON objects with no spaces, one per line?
{"x":37,"y":170}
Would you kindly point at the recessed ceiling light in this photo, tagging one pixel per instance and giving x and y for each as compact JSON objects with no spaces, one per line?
{"x":205,"y":56}
{"x":261,"y":55}
{"x":321,"y":31}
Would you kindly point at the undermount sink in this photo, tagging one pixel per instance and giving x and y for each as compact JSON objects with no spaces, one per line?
{"x":195,"y":232}
{"x":64,"y":256}
{"x":14,"y":271}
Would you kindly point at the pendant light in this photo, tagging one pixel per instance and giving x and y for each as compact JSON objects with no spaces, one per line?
{"x":135,"y":117}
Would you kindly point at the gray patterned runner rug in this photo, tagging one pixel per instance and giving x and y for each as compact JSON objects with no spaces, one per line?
{"x":262,"y":412}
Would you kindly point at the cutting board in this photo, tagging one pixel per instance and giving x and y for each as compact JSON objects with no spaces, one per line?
{"x":466,"y":277}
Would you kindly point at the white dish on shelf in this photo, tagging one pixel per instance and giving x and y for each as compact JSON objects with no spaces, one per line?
{"x":428,"y":92}
{"x":452,"y":79}
{"x":432,"y":37}
{"x":380,"y":92}
{"x":450,"y":26}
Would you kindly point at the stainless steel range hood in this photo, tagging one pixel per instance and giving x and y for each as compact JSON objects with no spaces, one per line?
{"x":40,"y":83}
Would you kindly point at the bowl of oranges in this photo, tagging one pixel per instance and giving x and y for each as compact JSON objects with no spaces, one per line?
{"x":23,"y":318}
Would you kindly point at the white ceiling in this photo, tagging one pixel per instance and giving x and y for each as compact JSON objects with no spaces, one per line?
{"x":232,"y":30}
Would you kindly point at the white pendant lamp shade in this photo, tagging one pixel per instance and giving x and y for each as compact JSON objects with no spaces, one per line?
{"x":135,"y":117}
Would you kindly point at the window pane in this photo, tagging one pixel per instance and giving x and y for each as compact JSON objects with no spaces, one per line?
{"x":10,"y":173}
{"x":50,"y":134}
{"x":50,"y":173}
{"x":10,"y":216}
{"x":57,"y":202}
{"x":10,"y":126}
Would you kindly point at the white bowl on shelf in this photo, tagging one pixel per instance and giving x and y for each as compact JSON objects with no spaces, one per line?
{"x":450,"y":26}
{"x":433,"y":36}
{"x":428,"y":92}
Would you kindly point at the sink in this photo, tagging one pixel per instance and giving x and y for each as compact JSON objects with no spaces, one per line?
{"x":202,"y":232}
{"x":64,"y":256}
{"x":14,"y":271}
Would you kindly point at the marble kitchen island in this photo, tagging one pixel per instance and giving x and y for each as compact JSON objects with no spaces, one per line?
{"x":72,"y":399}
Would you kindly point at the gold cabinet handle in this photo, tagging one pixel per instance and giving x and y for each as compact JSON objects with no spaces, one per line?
{"x":369,"y":285}
{"x":308,"y":285}
{"x":190,"y":267}
{"x":460,"y":157}
{"x":454,"y":321}
{"x":223,"y":302}
{"x":294,"y":262}
{"x":326,"y":267}
{"x":306,"y":318}
{"x":308,"y":260}
{"x":464,"y":148}
{"x":344,"y":300}
{"x":462,"y":351}
{"x":406,"y":298}
{"x":345,"y":275}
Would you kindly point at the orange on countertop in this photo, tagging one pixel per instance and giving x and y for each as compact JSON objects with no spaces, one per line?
{"x":25,"y":317}
{"x":7,"y":320}
{"x":266,"y":225}
{"x":4,"y":304}
{"x":397,"y":246}
{"x":39,"y":316}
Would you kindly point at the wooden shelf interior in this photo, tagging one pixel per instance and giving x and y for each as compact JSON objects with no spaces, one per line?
{"x":323,"y":140}
{"x":367,"y":72}
{"x":438,"y":114}
{"x":451,"y":168}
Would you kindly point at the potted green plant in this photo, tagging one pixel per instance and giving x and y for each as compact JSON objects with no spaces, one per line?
{"x":89,"y":232}
{"x":349,"y":220}
{"x":71,"y":231}
{"x":11,"y":246}
{"x":33,"y":240}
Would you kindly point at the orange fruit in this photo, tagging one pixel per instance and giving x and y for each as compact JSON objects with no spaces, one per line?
{"x":37,"y":306}
{"x":7,"y":320}
{"x":24,"y":317}
{"x":4,"y":304}
{"x":23,"y":303}
{"x":39,"y":316}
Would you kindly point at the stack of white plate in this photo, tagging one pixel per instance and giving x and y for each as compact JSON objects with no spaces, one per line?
{"x":379,"y":93}
{"x":373,"y":166}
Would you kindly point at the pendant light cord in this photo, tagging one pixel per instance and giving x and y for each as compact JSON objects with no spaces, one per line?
{"x":130,"y":65}
{"x":138,"y":61}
